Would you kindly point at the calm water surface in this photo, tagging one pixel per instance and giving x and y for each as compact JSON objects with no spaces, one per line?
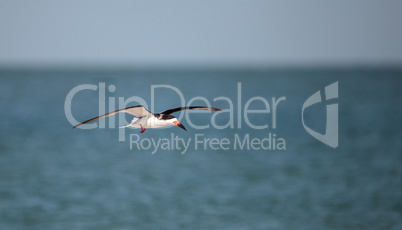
{"x":56,"y":177}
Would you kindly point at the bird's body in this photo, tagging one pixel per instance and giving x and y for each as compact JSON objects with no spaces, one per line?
{"x":147,"y":120}
{"x":150,"y":122}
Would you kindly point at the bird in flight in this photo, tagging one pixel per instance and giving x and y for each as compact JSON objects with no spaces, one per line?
{"x":144,"y":119}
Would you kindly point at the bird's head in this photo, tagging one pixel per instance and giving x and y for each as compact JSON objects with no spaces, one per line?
{"x":178,"y":124}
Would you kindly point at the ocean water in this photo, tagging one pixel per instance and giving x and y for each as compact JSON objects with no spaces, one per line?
{"x":56,"y":177}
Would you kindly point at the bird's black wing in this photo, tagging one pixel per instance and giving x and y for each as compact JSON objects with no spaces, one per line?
{"x":170,"y":111}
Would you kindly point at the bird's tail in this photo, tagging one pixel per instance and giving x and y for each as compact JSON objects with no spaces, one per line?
{"x":135,"y":119}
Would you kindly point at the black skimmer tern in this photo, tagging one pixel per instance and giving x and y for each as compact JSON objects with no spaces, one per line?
{"x":145,"y":119}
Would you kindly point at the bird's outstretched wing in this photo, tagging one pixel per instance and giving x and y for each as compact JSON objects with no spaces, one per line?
{"x":170,"y":111}
{"x":138,"y":111}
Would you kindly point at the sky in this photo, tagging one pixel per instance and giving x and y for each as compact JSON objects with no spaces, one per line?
{"x":200,"y":33}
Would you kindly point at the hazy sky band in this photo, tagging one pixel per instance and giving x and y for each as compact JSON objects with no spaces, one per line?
{"x":200,"y":33}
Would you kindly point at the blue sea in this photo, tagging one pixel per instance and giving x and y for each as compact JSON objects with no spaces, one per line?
{"x":55,"y":177}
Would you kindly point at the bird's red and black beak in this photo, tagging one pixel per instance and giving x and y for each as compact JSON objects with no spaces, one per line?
{"x":178,"y":124}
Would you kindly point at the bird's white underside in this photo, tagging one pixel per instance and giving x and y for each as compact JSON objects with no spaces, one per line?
{"x":149,"y":122}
